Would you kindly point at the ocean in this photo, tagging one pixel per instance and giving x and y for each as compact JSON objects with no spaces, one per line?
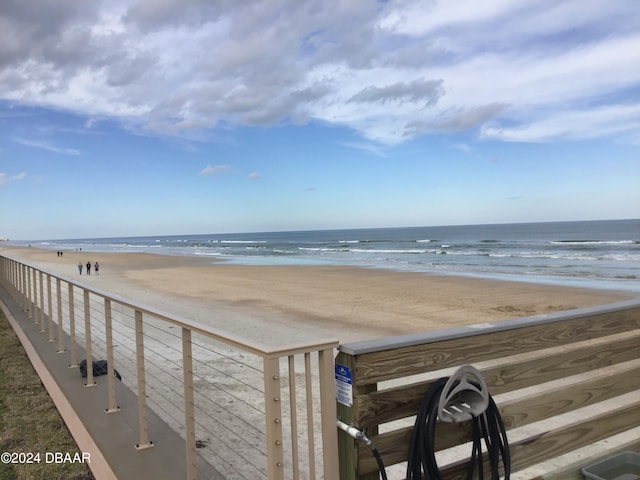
{"x":597,"y":254}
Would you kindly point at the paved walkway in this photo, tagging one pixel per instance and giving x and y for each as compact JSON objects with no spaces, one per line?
{"x":114,"y":434}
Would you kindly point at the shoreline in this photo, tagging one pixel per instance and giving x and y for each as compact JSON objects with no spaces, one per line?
{"x":627,"y":282}
{"x":281,"y":304}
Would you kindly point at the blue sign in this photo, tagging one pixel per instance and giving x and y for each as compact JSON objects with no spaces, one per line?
{"x":344,"y":385}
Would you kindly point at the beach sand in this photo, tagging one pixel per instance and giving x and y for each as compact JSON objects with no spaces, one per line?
{"x":283,"y":304}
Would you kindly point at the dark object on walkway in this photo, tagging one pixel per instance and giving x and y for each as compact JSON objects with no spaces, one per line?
{"x":99,"y":368}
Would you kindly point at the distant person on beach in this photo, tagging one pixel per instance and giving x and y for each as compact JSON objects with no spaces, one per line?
{"x":88,"y":268}
{"x":96,"y":267}
{"x":80,"y":268}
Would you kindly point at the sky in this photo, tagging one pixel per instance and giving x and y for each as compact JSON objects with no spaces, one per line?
{"x":168,"y":117}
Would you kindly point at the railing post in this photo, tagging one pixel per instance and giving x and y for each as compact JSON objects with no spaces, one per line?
{"x":50,"y":309}
{"x":31,"y":291}
{"x":7,"y":277}
{"x":43,"y":327}
{"x":15,"y":282}
{"x":4,"y":269}
{"x":293,"y":417}
{"x":111,"y":387}
{"x":19,"y":284}
{"x":10,"y":278}
{"x":142,"y":391}
{"x":25,"y":291}
{"x":87,"y":339}
{"x":61,"y":348}
{"x":72,"y":328}
{"x":273,"y":418}
{"x":310,"y":429}
{"x":189,"y":410}
{"x":347,"y":446}
{"x":329,"y":413}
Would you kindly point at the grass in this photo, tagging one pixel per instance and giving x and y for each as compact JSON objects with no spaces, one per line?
{"x":29,"y":421}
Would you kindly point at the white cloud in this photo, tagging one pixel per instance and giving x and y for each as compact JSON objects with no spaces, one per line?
{"x":389,"y":70}
{"x":572,"y":125}
{"x":5,"y":178}
{"x":214,"y":170}
{"x":366,"y":147}
{"x":254,"y":176}
{"x":46,"y":146}
{"x":419,"y":17}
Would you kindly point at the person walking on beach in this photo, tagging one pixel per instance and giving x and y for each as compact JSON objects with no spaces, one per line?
{"x":80,"y":268}
{"x":88,"y":268}
{"x":96,"y":268}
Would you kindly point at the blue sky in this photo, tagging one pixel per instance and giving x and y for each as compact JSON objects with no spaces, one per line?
{"x":146,"y":117}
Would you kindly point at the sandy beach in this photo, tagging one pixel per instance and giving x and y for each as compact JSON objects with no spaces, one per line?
{"x":281,"y":304}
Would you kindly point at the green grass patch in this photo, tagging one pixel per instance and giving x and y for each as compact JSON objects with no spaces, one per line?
{"x":29,"y":421}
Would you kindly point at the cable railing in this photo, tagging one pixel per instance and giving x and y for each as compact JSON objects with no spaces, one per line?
{"x":251,"y":410}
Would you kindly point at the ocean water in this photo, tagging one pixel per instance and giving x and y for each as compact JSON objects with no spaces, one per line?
{"x":598,"y":254}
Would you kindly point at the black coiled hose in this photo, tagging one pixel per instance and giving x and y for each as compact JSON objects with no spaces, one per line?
{"x":488,"y":427}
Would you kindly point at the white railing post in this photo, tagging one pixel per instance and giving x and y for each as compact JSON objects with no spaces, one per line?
{"x":310,"y":430}
{"x":25,"y":291}
{"x":273,"y":418}
{"x":111,"y":380}
{"x":61,"y":348}
{"x":43,"y":327}
{"x":10,"y":281}
{"x":50,"y":308}
{"x":189,"y":406}
{"x":293,"y":412}
{"x":142,"y":391}
{"x":87,"y":339}
{"x":4,"y":269}
{"x":31,"y":291}
{"x":72,"y":328}
{"x":7,"y":277}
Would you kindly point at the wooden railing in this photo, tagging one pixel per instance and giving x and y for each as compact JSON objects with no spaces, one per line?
{"x":54,"y":302}
{"x":561,"y":381}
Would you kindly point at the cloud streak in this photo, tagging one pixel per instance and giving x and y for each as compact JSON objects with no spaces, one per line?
{"x":389,"y":70}
{"x":4,"y":178}
{"x":47,"y":146}
{"x":214,"y":170}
